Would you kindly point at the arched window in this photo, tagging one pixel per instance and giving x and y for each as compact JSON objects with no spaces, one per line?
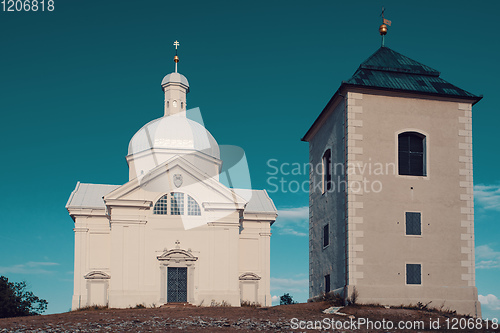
{"x":327,"y":170}
{"x":411,"y":154}
{"x":193,"y":207}
{"x":177,"y":206}
{"x":161,"y":206}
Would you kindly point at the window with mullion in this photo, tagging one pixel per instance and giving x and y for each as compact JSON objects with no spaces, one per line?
{"x":176,"y":203}
{"x":160,"y":207}
{"x":193,"y":207}
{"x":411,"y":154}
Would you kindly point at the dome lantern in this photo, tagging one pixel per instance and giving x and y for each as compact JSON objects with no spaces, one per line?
{"x":175,"y":87}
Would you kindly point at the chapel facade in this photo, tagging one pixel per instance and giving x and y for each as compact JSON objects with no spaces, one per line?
{"x":173,"y":233}
{"x":392,"y":213}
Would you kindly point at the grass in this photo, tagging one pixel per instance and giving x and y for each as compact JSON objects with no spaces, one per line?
{"x":223,"y":304}
{"x":250,"y":304}
{"x":332,"y":298}
{"x":92,"y":308}
{"x":426,"y":307}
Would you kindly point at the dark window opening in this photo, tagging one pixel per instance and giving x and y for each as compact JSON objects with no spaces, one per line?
{"x":413,"y":274}
{"x":326,"y":235}
{"x":411,"y":154}
{"x":413,"y":223}
{"x":327,"y":170}
{"x":327,"y":283}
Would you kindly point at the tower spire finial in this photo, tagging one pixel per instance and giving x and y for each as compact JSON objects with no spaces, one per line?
{"x":176,"y":58}
{"x":383,"y":28}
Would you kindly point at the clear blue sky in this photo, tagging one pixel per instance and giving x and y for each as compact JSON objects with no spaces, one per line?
{"x":78,"y":82}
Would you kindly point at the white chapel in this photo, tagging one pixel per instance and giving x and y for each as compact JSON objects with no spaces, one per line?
{"x":173,"y":233}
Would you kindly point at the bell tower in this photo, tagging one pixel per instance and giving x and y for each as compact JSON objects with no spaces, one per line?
{"x":408,"y":235}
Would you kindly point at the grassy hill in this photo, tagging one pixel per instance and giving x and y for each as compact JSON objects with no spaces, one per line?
{"x":304,"y":317}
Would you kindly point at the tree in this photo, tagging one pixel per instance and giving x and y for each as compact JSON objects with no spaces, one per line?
{"x":16,"y":300}
{"x":287,"y":299}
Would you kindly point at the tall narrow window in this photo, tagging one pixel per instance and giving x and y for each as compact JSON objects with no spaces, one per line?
{"x":326,"y":236}
{"x":327,"y":170}
{"x":413,"y":223}
{"x":160,"y":207}
{"x":193,"y":207}
{"x":176,"y":203}
{"x":327,"y":283}
{"x":411,"y":154}
{"x":413,"y":274}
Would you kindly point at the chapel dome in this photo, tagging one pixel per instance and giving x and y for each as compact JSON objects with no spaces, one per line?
{"x":175,"y":78}
{"x":174,"y":132}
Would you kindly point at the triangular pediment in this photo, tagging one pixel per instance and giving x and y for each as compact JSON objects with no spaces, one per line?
{"x":175,"y":175}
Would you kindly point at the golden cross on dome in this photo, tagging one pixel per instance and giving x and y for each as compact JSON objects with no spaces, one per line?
{"x":176,"y":58}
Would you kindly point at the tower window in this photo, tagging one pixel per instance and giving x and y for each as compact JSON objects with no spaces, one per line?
{"x":176,"y":203}
{"x":413,"y":274}
{"x":168,"y":102}
{"x":413,"y":223}
{"x":327,"y":170}
{"x":327,"y":283}
{"x":160,"y":207}
{"x":326,"y":235}
{"x":411,"y":154}
{"x":182,"y":105}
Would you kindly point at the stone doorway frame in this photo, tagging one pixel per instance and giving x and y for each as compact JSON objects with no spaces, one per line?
{"x":177,"y":258}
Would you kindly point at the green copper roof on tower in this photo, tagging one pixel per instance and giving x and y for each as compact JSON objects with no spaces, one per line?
{"x":389,"y":70}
